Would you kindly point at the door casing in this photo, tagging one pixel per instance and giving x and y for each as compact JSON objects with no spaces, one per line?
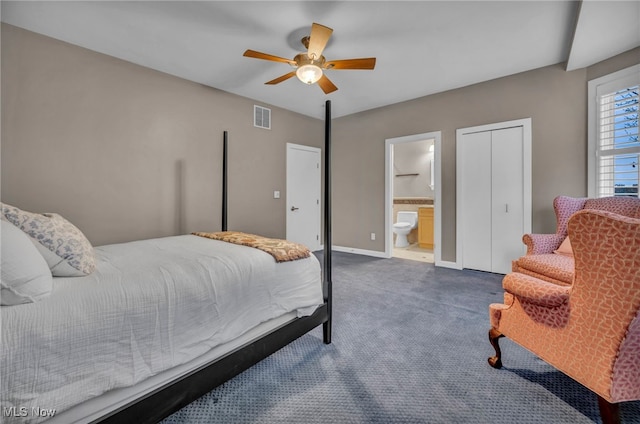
{"x":388,"y":210}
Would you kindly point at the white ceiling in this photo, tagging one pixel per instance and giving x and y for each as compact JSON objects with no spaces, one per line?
{"x":422,"y":47}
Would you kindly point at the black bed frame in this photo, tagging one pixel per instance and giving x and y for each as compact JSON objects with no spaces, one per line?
{"x":177,"y":394}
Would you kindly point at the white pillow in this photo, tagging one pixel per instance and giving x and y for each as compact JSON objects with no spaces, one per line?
{"x":25,"y":274}
{"x":66,"y":250}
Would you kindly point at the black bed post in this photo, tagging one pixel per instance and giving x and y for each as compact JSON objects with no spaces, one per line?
{"x":224,"y":181}
{"x":327,"y":283}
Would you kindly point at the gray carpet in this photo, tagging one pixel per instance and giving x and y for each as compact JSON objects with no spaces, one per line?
{"x":409,"y":346}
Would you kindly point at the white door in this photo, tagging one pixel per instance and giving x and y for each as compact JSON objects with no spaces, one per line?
{"x":303,"y":195}
{"x":476,"y":190}
{"x":507,"y":209}
{"x":494,"y":194}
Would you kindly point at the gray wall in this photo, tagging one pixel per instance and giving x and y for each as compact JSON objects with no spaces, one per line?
{"x":125,"y":152}
{"x":556,"y":101}
{"x":128,"y":153}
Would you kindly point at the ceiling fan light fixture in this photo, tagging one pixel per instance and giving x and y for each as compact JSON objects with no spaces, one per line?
{"x":309,"y":73}
{"x":309,"y":65}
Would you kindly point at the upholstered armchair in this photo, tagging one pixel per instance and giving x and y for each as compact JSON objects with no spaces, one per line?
{"x":546,"y":257}
{"x":590,"y":330}
{"x":564,"y":207}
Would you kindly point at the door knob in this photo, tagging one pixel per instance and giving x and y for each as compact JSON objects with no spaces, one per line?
{"x":293,"y":208}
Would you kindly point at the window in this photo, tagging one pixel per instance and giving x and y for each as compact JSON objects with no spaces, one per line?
{"x":614,"y":147}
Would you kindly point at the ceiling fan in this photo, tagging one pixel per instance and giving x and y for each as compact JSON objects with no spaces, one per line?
{"x":310,"y":65}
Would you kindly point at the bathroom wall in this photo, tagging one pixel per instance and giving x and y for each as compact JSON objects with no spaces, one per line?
{"x":412,"y":169}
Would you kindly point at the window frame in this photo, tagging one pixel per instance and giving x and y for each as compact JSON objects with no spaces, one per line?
{"x":625,"y":77}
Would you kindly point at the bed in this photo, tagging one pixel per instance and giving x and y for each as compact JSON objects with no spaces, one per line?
{"x":102,"y":349}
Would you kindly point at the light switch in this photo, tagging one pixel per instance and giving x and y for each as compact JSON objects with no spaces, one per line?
{"x":276,"y":194}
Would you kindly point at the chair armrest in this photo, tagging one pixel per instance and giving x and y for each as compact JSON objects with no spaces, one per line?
{"x":536,"y":291}
{"x":538,"y":244}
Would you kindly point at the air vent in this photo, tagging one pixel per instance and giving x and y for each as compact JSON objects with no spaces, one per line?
{"x":261,"y":117}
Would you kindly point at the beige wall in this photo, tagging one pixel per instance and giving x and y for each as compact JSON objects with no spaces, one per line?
{"x":621,"y":61}
{"x":129,"y":153}
{"x":553,"y":98}
{"x":125,"y":152}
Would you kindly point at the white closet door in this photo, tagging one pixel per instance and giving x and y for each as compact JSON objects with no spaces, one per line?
{"x":475,"y":165}
{"x":507,"y":209}
{"x":494,"y":191}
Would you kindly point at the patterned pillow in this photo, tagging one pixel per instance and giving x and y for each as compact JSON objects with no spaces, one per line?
{"x":25,"y":276}
{"x":66,"y":250}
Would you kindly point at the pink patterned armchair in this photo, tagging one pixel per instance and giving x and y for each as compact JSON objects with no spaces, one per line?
{"x":541,"y":261}
{"x":590,"y":330}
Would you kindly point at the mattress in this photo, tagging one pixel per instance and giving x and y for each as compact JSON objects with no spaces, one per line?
{"x":149,"y":307}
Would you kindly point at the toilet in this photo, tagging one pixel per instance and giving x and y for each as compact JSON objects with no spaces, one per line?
{"x":406,"y":222}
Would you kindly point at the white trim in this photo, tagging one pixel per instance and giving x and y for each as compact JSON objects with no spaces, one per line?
{"x":592,"y":110}
{"x":525,"y":123}
{"x":448,"y":264}
{"x":374,"y":253}
{"x":388,"y":189}
{"x":378,"y":254}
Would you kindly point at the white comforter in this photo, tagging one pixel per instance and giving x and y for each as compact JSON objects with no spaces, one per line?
{"x":149,"y":306}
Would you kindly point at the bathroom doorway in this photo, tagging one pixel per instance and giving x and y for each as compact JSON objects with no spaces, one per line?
{"x":412,"y":184}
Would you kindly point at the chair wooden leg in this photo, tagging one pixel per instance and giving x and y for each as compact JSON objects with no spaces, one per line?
{"x":609,"y":412}
{"x":494,"y":336}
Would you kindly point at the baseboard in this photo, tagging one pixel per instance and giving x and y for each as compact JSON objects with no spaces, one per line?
{"x":373,"y":253}
{"x":377,"y":254}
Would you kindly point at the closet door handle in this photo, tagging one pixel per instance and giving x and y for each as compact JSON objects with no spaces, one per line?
{"x":293,"y":209}
{"x":506,"y":207}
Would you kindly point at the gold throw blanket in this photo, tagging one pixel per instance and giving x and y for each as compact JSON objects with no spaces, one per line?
{"x":281,"y":250}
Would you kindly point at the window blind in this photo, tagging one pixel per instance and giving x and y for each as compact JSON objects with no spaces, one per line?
{"x":618,"y":148}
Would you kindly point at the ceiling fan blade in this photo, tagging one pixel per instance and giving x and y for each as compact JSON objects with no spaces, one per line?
{"x":364,"y":63}
{"x":265,"y":56}
{"x":282,"y":78}
{"x":326,"y":85}
{"x":318,"y":40}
